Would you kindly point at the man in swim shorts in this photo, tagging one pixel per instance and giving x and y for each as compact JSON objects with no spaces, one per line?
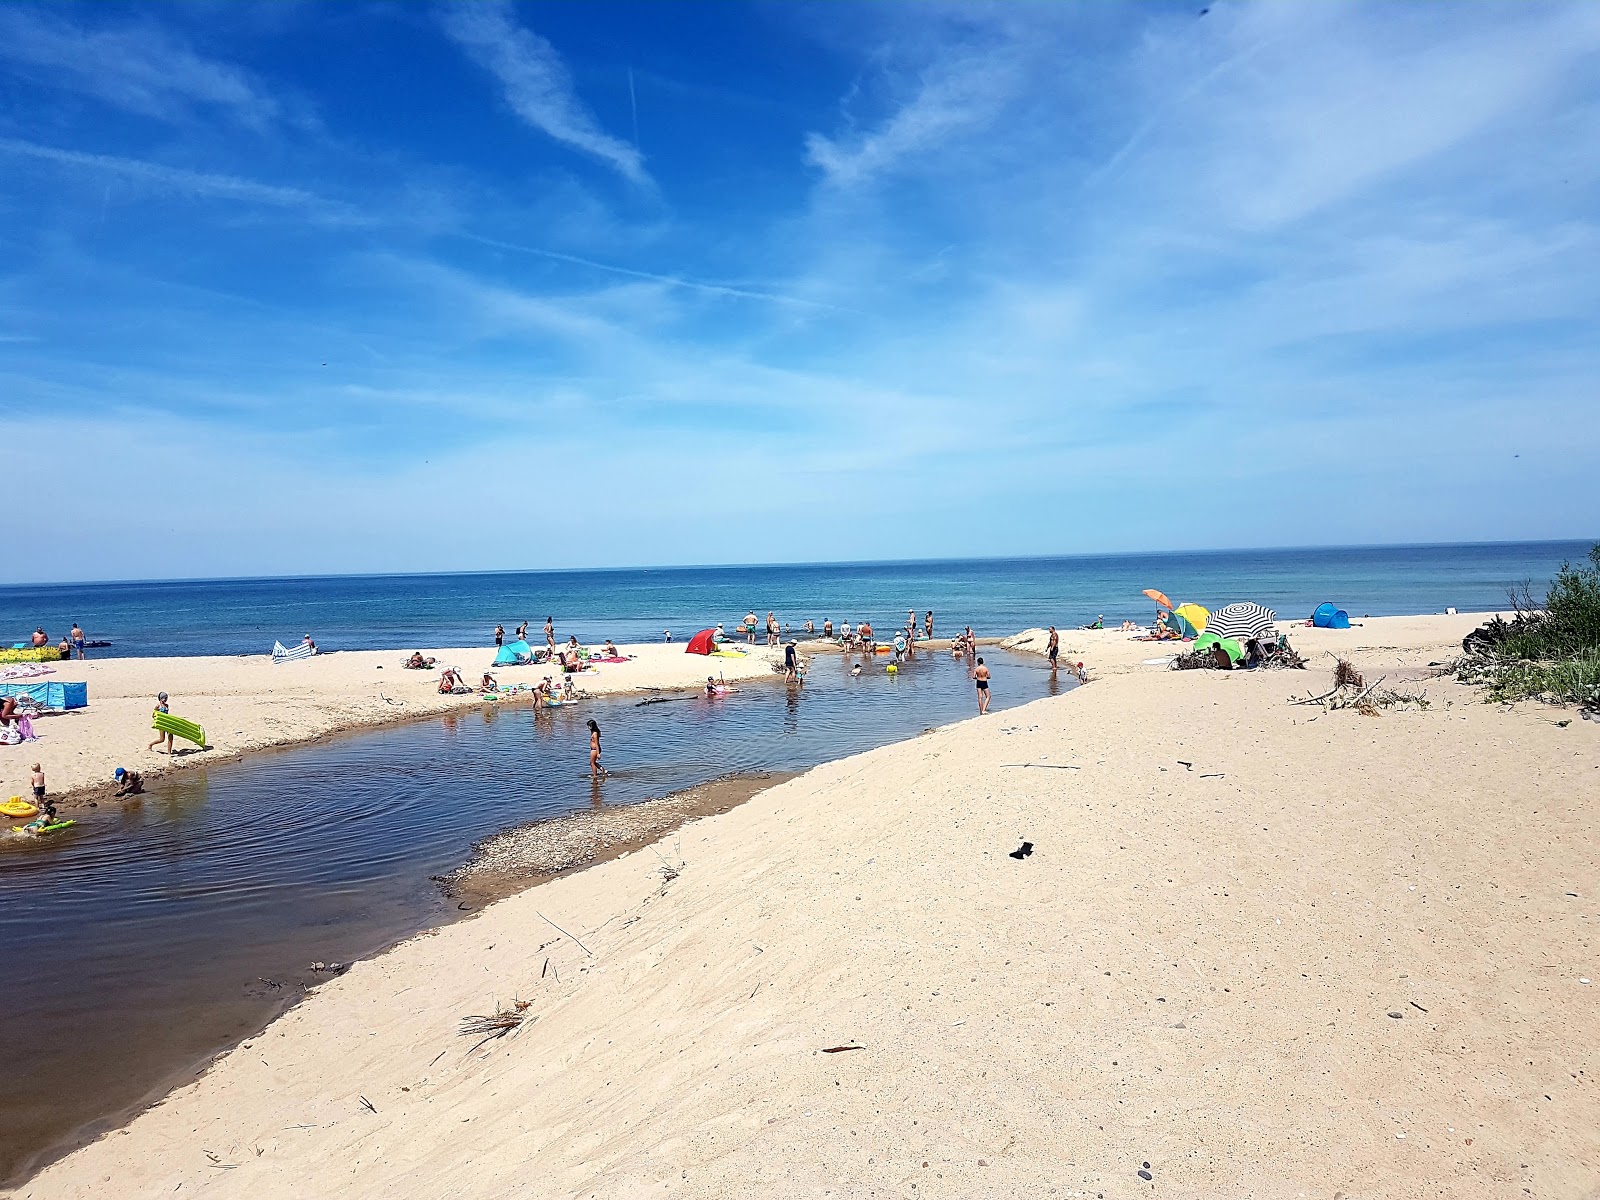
{"x":980,"y":676}
{"x":1054,"y":647}
{"x":77,"y":639}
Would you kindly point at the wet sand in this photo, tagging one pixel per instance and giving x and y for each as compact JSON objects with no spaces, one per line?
{"x":535,"y":853}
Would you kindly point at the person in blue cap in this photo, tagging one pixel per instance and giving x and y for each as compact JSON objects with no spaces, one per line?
{"x":131,"y":781}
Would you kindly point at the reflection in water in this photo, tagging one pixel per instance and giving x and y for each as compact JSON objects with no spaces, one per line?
{"x":147,"y":932}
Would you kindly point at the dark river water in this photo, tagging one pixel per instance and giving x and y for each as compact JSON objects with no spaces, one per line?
{"x":151,"y":936}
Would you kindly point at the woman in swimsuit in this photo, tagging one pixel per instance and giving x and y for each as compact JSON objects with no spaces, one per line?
{"x":595,"y":769}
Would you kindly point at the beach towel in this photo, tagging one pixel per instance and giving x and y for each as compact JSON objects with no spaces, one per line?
{"x":281,"y":654}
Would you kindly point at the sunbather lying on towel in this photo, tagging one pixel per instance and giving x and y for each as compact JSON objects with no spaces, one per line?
{"x":417,"y":663}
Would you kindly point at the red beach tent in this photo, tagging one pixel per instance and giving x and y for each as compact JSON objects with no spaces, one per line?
{"x":701,"y":643}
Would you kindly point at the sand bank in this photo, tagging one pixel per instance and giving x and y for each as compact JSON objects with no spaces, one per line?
{"x":1381,"y":642}
{"x":246,"y":703}
{"x":1334,"y":954}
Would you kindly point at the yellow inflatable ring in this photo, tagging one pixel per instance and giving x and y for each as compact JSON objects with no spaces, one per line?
{"x":18,"y":807}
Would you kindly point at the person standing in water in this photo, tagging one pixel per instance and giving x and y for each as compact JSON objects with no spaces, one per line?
{"x":77,"y":639}
{"x":595,"y":769}
{"x":1053,"y":648}
{"x":927,"y":625}
{"x":980,"y":676}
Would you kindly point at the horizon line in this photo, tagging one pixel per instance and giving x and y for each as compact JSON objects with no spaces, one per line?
{"x":885,"y":562}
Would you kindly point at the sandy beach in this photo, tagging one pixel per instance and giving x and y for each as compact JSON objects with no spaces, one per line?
{"x":1257,"y":950}
{"x":245,"y":702}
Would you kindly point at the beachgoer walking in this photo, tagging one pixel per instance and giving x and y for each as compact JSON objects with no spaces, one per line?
{"x":77,"y":639}
{"x":132,"y":783}
{"x":161,"y":707}
{"x":667,"y":633}
{"x":980,"y":676}
{"x":927,"y":625}
{"x":791,"y":663}
{"x":595,"y":769}
{"x":1053,"y":648}
{"x":499,"y":636}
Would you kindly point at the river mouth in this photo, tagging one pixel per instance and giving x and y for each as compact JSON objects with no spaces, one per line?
{"x":159,"y":933}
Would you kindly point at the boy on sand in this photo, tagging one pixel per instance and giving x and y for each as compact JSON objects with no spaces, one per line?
{"x":980,"y":676}
{"x":132,"y":783}
{"x":37,"y":779}
{"x":161,"y":707}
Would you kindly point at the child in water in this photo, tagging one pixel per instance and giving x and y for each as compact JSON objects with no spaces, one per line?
{"x":132,"y":783}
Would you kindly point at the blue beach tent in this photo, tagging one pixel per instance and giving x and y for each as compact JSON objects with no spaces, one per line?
{"x":514,"y":654}
{"x":1329,"y":617}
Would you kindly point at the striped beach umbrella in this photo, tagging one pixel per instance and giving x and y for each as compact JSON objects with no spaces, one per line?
{"x":1241,"y":621}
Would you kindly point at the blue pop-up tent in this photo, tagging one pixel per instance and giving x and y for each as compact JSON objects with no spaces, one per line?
{"x":1328,"y":617}
{"x":514,"y":654}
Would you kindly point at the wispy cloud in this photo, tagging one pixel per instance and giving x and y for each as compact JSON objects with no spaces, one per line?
{"x":536,"y":83}
{"x":178,"y":179}
{"x":139,"y":68}
{"x":951,"y":98}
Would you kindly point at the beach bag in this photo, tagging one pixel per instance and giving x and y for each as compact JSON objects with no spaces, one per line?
{"x":10,"y":735}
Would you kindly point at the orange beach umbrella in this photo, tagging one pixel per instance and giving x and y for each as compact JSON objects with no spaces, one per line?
{"x":1160,"y":598}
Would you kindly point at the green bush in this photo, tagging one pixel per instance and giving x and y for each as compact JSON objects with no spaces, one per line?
{"x":42,"y":654}
{"x":1567,"y":622}
{"x":1549,"y":650}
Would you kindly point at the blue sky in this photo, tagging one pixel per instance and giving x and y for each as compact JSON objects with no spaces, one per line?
{"x":301,"y":287}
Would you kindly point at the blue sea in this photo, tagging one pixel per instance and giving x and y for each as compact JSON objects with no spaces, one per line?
{"x":994,"y":596}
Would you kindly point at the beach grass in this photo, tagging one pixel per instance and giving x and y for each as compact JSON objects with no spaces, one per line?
{"x":1550,"y":649}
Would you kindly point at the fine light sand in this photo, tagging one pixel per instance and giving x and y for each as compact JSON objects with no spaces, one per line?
{"x":246,"y":703}
{"x":1378,"y":641}
{"x":1341,"y":955}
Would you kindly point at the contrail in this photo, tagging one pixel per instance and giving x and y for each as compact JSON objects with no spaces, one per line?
{"x":633,"y":103}
{"x":717,"y":289}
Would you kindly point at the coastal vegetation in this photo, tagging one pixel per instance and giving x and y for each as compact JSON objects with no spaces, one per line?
{"x":1550,"y":649}
{"x":31,"y":655}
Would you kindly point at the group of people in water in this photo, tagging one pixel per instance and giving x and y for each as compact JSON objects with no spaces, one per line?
{"x":73,"y":645}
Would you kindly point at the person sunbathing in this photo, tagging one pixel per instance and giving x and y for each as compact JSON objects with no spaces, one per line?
{"x":611,"y":649}
{"x":417,"y":663}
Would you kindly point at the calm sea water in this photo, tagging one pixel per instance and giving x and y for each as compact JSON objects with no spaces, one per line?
{"x":999,"y":596}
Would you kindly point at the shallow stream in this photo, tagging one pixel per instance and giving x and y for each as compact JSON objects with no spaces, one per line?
{"x":153,"y":935}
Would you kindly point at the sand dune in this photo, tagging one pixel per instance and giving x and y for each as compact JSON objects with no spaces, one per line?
{"x":1332,"y":955}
